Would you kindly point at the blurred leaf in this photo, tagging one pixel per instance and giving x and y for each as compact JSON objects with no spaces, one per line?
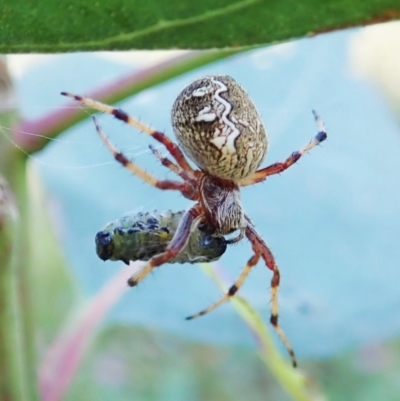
{"x":374,"y":54}
{"x":118,"y":24}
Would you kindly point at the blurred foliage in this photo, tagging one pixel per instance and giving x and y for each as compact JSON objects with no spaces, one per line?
{"x":149,"y":365}
{"x":38,"y":274}
{"x":51,"y":278}
{"x":119,"y":24}
{"x":372,"y":56}
{"x":144,"y":365}
{"x":41,"y":291}
{"x":17,"y":353}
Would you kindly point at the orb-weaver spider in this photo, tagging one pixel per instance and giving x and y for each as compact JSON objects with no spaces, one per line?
{"x":219,"y":129}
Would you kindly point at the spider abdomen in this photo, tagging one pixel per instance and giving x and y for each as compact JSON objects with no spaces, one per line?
{"x":219,"y":128}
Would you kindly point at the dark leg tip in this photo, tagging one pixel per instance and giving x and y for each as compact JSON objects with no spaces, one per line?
{"x":132,"y":282}
{"x":321,"y":136}
{"x":75,"y":97}
{"x":202,"y":313}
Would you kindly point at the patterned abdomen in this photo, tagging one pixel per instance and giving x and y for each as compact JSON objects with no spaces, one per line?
{"x":218,"y":127}
{"x":140,"y":236}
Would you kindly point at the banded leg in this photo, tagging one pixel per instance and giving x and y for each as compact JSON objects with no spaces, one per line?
{"x":172,"y":166}
{"x":277,"y":168}
{"x":261,"y":248}
{"x":186,"y":227}
{"x":138,"y":171}
{"x":171,"y":146}
{"x":233,"y":289}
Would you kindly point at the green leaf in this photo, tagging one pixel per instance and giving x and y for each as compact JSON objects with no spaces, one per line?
{"x":119,"y":24}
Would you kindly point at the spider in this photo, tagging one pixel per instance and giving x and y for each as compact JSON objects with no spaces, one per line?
{"x":219,"y":129}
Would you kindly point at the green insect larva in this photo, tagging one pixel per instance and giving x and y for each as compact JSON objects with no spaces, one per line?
{"x":140,"y":236}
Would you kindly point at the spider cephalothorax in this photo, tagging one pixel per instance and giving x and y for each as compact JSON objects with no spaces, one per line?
{"x":219,"y":129}
{"x":220,"y":200}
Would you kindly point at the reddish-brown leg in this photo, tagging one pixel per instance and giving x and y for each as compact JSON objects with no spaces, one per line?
{"x":277,"y":168}
{"x":261,"y":248}
{"x":121,"y":115}
{"x":185,"y":188}
{"x":187,"y":225}
{"x":173,"y":167}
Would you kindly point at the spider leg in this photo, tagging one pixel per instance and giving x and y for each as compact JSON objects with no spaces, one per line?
{"x":184,"y":187}
{"x":238,"y":238}
{"x":277,"y":168}
{"x":172,"y":166}
{"x":261,"y":248}
{"x":186,"y":227}
{"x":233,"y":289}
{"x":121,"y":115}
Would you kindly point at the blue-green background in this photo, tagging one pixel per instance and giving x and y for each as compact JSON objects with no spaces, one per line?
{"x":332,"y":220}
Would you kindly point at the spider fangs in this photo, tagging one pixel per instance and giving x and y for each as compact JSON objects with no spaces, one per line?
{"x":219,"y":129}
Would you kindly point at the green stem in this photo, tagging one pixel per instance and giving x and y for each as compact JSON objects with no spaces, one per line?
{"x":11,"y":387}
{"x":23,"y":272}
{"x":17,"y":341}
{"x":17,"y":347}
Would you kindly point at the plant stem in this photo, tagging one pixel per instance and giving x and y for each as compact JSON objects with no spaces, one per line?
{"x":10,"y":385}
{"x":17,"y":341}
